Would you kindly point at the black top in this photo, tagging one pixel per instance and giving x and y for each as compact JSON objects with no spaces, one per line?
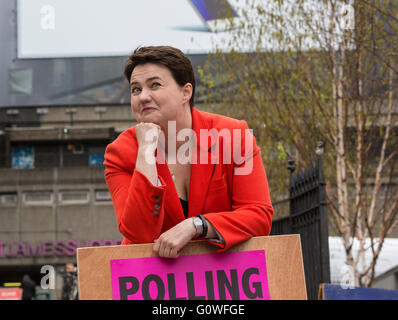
{"x":28,"y":288}
{"x":184,"y":204}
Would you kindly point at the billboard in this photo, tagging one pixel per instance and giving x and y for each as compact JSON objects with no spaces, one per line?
{"x":59,"y":52}
{"x":89,"y":28}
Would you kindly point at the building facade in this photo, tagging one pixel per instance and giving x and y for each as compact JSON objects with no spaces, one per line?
{"x":53,"y":195}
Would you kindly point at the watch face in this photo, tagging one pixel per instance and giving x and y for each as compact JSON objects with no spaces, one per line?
{"x":198,"y":222}
{"x":198,"y":225}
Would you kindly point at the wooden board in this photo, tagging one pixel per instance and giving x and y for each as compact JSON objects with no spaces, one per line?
{"x":285,"y":270}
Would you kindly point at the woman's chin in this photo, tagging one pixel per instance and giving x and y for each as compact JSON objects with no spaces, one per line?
{"x":149,"y":117}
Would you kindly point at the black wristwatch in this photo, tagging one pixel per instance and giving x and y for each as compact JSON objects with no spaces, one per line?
{"x":200,"y":224}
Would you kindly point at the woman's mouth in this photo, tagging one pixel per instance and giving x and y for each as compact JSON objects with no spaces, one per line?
{"x":148,"y":109}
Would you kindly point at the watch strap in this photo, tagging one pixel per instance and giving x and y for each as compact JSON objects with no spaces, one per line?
{"x":205,"y":227}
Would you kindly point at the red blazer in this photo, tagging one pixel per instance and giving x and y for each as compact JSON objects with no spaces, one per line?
{"x":238,"y":206}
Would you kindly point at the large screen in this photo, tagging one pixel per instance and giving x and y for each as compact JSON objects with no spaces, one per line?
{"x":87,"y":28}
{"x":90,"y":28}
{"x":57,"y":52}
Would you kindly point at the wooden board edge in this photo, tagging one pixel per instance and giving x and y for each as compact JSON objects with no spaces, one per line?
{"x":194,"y":247}
{"x":321,"y":292}
{"x":301,"y":261}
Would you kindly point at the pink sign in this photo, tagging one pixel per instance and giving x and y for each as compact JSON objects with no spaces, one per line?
{"x":10,"y":293}
{"x":215,"y":276}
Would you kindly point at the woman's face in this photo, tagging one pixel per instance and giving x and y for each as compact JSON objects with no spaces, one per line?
{"x":155,"y":95}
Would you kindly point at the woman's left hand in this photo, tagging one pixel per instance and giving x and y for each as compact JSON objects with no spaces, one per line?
{"x":169,"y":244}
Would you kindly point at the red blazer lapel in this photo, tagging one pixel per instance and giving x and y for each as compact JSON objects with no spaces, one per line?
{"x":201,"y":173}
{"x":173,"y":209}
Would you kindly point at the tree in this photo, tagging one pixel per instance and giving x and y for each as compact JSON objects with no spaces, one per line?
{"x":320,"y":70}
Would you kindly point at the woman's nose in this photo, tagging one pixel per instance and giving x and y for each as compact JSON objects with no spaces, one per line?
{"x":145,"y":95}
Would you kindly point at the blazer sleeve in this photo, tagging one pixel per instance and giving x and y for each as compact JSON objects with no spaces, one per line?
{"x":138,"y":204}
{"x":252,"y":211}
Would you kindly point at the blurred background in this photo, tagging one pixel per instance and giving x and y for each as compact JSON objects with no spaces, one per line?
{"x":63,"y":99}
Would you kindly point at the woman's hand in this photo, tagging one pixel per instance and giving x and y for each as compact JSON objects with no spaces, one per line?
{"x":147,"y":138}
{"x":169,"y":244}
{"x":147,"y":134}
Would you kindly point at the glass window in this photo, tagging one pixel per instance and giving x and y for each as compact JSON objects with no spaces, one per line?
{"x":96,"y":156}
{"x":75,"y":155}
{"x":8,"y":199}
{"x":74,"y":196}
{"x":23,"y":157}
{"x":102,"y":195}
{"x":38,"y":197}
{"x":20,"y":81}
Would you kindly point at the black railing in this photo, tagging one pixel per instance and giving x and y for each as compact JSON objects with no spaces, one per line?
{"x":308,"y":217}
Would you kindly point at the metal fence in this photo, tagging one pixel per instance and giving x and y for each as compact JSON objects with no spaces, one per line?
{"x":308,"y":217}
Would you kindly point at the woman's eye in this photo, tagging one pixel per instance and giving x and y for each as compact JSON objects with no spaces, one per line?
{"x":155,"y":84}
{"x":135,"y":90}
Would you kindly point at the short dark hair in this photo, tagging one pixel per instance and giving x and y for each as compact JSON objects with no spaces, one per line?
{"x":172,"y":58}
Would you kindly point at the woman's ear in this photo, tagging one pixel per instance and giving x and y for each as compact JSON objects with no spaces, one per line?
{"x":187,"y":92}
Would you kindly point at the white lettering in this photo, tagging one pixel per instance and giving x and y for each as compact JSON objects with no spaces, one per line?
{"x":247,"y":159}
{"x":169,"y":310}
{"x":220,"y":309}
{"x":209,"y":140}
{"x":182,"y":155}
{"x":47,"y":21}
{"x":47,"y":281}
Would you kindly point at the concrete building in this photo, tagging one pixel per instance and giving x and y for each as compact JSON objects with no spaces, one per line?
{"x":53,"y":195}
{"x":387,"y":280}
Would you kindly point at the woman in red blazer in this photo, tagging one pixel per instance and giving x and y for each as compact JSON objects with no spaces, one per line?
{"x":180,"y":173}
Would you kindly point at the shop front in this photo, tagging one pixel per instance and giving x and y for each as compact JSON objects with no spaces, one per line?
{"x":48,"y":263}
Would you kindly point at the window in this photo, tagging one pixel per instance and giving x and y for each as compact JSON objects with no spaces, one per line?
{"x":77,"y":148}
{"x":102,"y":195}
{"x":96,"y":156}
{"x":23,"y":157}
{"x":38,"y":197}
{"x":20,"y":81}
{"x":8,"y":199}
{"x":74,"y":197}
{"x":74,"y":155}
{"x":47,"y":155}
{"x":42,"y":110}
